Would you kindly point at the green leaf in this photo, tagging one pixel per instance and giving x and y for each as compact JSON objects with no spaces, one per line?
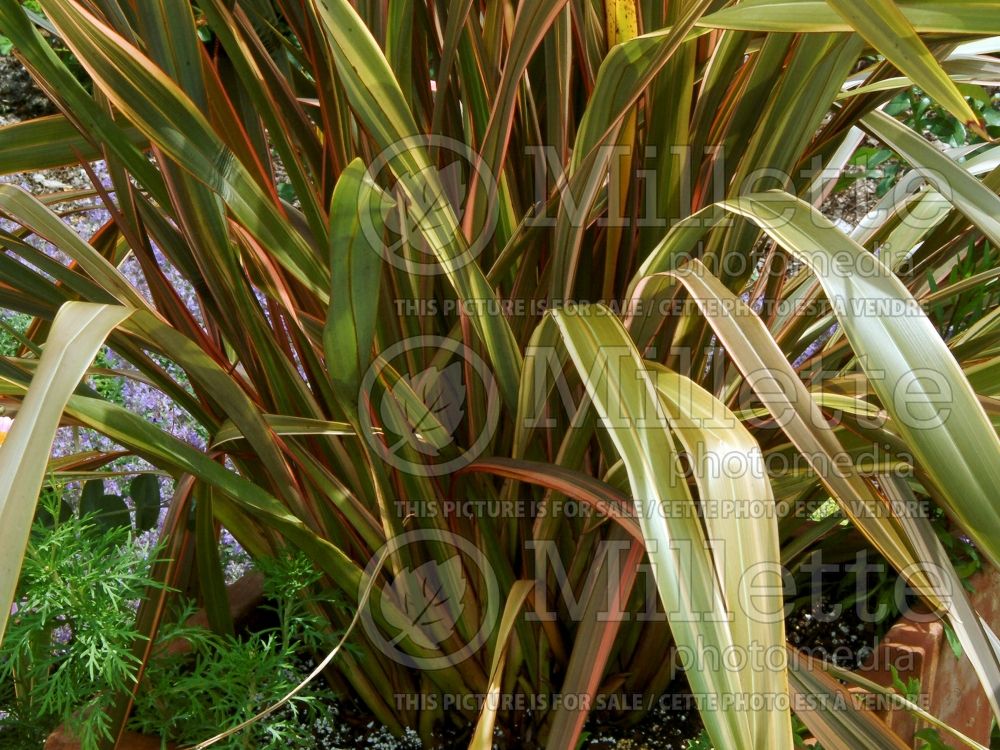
{"x":46,"y":142}
{"x":956,"y":447}
{"x":211,"y":578}
{"x":967,"y":194}
{"x":92,"y":493}
{"x":482,"y":737}
{"x":900,"y":701}
{"x":772,"y":378}
{"x":739,"y":512}
{"x":158,"y":107}
{"x":77,"y":334}
{"x":285,"y":425}
{"x":905,"y":359}
{"x":828,"y":710}
{"x":31,"y":213}
{"x":109,"y":511}
{"x":888,"y":30}
{"x":145,"y":493}
{"x":624,"y":396}
{"x":46,"y":517}
{"x":625,"y":73}
{"x":357,"y":271}
{"x":239,"y":497}
{"x":378,"y":102}
{"x":926,"y":16}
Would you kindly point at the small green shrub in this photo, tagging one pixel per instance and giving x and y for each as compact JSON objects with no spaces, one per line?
{"x":68,"y":648}
{"x":918,"y":112}
{"x":225,"y":680}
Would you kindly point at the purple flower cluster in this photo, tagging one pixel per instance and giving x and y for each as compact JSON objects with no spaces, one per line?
{"x":85,"y":217}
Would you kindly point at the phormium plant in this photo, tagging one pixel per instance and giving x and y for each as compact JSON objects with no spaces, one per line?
{"x":537,"y":302}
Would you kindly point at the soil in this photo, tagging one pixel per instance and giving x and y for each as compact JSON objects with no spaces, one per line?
{"x":845,"y":640}
{"x":20,"y":98}
{"x":848,"y":207}
{"x":672,"y":722}
{"x":668,"y":726}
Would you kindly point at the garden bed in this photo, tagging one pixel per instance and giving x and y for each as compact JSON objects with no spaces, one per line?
{"x":322,"y":289}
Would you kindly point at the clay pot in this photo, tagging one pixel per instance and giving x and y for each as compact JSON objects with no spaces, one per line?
{"x":244,"y":595}
{"x":60,"y":740}
{"x":949,"y":687}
